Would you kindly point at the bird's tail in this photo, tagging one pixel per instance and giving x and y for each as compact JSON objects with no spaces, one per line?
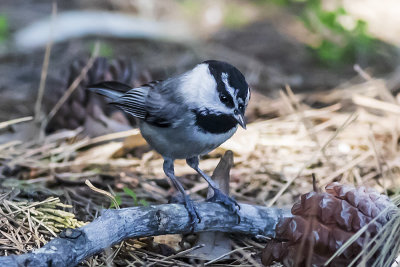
{"x":110,"y":89}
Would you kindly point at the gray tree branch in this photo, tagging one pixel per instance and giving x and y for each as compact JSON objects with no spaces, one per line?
{"x":113,"y":226}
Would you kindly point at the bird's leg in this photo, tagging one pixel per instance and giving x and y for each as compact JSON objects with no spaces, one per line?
{"x":168,"y":167}
{"x":218,"y":195}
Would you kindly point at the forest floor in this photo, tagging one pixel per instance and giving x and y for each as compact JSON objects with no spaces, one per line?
{"x":338,"y":124}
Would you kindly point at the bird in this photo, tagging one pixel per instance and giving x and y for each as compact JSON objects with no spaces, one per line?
{"x":187,"y":116}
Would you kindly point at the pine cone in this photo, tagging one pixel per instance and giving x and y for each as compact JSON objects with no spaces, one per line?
{"x":84,"y":108}
{"x":323,"y":222}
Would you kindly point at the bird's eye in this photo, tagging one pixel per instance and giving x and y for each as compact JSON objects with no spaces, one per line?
{"x":241,"y":107}
{"x":223,"y":98}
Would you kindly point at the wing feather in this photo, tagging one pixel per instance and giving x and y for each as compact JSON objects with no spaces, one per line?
{"x":165,"y":107}
{"x":112,"y":85}
{"x":133,"y":102}
{"x":156,"y":103}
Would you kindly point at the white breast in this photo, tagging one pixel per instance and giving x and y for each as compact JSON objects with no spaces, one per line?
{"x":182,"y":142}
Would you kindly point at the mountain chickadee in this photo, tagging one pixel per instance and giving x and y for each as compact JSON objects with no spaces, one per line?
{"x":186,"y":116}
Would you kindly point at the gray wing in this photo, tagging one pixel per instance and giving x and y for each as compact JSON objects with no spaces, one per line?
{"x":157,"y":103}
{"x":133,"y":102}
{"x":164,"y":104}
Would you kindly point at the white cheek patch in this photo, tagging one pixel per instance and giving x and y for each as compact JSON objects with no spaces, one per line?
{"x":199,"y":85}
{"x":198,"y":89}
{"x":232,"y":91}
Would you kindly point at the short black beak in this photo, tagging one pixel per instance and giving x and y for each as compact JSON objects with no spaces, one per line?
{"x":240,"y":119}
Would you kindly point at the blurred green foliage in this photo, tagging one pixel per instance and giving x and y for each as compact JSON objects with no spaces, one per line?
{"x":104,"y":51}
{"x":191,"y":8}
{"x":129,"y":192}
{"x":118,"y":199}
{"x":234,"y":17}
{"x":132,"y":194}
{"x":4,"y":30}
{"x":353,"y":43}
{"x":233,"y":13}
{"x":284,"y":2}
{"x":338,"y":45}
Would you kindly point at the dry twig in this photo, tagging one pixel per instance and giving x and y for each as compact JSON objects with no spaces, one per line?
{"x":74,"y":245}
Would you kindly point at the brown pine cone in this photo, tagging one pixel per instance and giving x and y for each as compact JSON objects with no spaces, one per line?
{"x":323,"y":222}
{"x":84,"y":108}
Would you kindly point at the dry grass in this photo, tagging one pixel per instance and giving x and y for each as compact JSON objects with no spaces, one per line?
{"x":25,"y":226}
{"x":353,"y":139}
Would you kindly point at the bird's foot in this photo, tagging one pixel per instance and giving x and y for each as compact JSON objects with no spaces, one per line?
{"x":194,"y":216}
{"x":225,"y":200}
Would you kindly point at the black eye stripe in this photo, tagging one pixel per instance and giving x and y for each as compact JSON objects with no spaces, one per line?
{"x":235,"y":79}
{"x":223,"y":93}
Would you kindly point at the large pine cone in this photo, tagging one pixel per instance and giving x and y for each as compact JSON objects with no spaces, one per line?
{"x":84,"y":108}
{"x":323,"y":222}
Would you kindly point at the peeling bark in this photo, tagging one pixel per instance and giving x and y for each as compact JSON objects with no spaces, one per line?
{"x":113,"y":226}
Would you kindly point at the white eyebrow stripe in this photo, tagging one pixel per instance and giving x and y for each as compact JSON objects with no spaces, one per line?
{"x":232,"y":91}
{"x":248,"y":95}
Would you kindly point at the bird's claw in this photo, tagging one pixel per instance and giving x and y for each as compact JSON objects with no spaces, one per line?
{"x":227,"y":201}
{"x":193,"y":214}
{"x":188,"y":203}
